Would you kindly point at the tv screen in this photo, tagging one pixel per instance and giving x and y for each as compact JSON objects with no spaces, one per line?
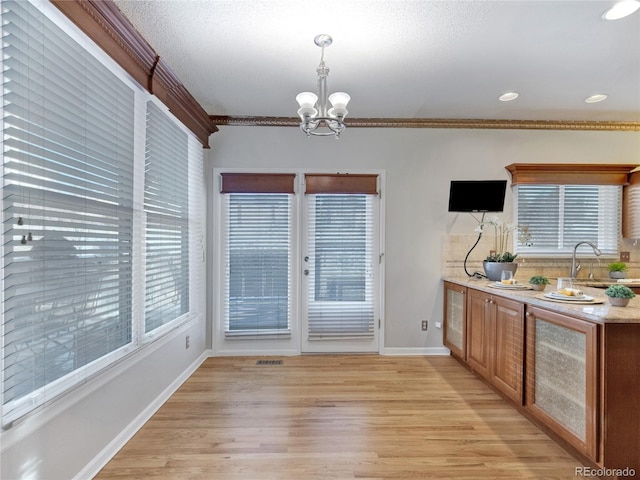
{"x":477,"y":195}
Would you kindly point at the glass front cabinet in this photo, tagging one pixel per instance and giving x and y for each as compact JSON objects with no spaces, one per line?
{"x":577,"y":378}
{"x":562,"y":376}
{"x":454,"y":334}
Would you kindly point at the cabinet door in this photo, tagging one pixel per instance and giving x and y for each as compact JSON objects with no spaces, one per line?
{"x":508,"y":352}
{"x":479,"y":331}
{"x":561,"y":376}
{"x":455,"y":319}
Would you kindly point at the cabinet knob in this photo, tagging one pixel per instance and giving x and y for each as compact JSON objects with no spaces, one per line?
{"x":528,"y":314}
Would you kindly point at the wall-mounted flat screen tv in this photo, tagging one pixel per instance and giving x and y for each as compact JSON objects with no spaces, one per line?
{"x":477,"y":195}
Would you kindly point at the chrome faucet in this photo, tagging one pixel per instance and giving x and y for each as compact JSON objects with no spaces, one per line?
{"x":575,"y":268}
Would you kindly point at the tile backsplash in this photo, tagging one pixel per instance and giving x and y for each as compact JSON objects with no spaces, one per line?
{"x":456,"y":247}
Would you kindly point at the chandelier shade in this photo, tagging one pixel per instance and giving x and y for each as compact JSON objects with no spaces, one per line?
{"x":316,"y":117}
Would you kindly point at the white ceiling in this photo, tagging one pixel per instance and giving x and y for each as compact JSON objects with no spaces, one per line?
{"x":401,"y":58}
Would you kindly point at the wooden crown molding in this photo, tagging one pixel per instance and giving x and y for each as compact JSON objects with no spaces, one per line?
{"x":104,"y":23}
{"x":248,"y":121}
{"x":570,"y":173}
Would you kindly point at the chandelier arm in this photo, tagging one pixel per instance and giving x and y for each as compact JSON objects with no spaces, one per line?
{"x":310,"y":126}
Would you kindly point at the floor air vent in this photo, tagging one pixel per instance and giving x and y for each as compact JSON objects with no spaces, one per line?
{"x":269,"y":362}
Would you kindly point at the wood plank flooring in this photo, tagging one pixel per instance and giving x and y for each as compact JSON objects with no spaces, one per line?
{"x":338,"y":417}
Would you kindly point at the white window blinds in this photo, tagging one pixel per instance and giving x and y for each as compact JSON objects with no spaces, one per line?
{"x":166,"y":206}
{"x":340,"y":301}
{"x":257,"y":258}
{"x":75,"y":228}
{"x":559,"y":216}
{"x":67,"y":210}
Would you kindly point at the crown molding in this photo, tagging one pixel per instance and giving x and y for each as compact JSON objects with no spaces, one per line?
{"x":249,"y":121}
{"x":104,"y":23}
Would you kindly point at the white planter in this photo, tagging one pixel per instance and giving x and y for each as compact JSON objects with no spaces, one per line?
{"x":618,"y":302}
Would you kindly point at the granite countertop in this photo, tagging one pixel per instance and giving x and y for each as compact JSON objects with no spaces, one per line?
{"x":596,"y":312}
{"x":605,"y":282}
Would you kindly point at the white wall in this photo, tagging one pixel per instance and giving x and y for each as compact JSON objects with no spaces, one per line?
{"x":100,"y":416}
{"x":419,"y":164}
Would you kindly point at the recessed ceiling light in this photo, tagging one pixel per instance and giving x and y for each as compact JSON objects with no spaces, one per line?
{"x":507,"y":97}
{"x":621,"y":9}
{"x":596,"y":98}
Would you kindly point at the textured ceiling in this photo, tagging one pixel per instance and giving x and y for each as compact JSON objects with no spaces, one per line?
{"x":402,"y":58}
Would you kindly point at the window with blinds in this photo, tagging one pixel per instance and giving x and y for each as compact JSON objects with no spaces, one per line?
{"x":340,"y":291}
{"x":73,"y":148}
{"x":67,"y":209}
{"x":559,"y":216}
{"x":257,"y":258}
{"x":166,"y":207}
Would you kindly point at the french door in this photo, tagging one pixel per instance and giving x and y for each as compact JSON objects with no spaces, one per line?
{"x":300,"y":267}
{"x":340,"y":264}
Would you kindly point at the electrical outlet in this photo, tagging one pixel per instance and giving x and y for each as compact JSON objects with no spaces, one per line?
{"x":625,"y":257}
{"x":187,"y":341}
{"x":425,"y":324}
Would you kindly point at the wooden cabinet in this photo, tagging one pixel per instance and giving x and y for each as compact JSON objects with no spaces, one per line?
{"x":582,"y":378}
{"x":508,"y":362}
{"x":495,"y":341}
{"x":454,"y":334}
{"x":478,"y":331}
{"x":562,"y":376}
{"x":619,"y":442}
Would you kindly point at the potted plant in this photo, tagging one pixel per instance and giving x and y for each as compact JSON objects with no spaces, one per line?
{"x":617,"y":270}
{"x":539,"y":282}
{"x":500,"y":258}
{"x":619,"y":295}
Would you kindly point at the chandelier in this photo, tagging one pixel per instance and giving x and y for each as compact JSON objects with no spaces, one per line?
{"x":317,"y":118}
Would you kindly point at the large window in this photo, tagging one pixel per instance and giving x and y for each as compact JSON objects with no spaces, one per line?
{"x":73,"y":164}
{"x":559,"y":216}
{"x":166,"y":206}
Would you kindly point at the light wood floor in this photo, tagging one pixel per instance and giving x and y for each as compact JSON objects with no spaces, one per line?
{"x":338,"y":417}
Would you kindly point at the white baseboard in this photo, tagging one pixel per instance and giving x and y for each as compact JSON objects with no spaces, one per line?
{"x":254,"y":353}
{"x":416,"y":351}
{"x":99,"y":461}
{"x":397,"y":351}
